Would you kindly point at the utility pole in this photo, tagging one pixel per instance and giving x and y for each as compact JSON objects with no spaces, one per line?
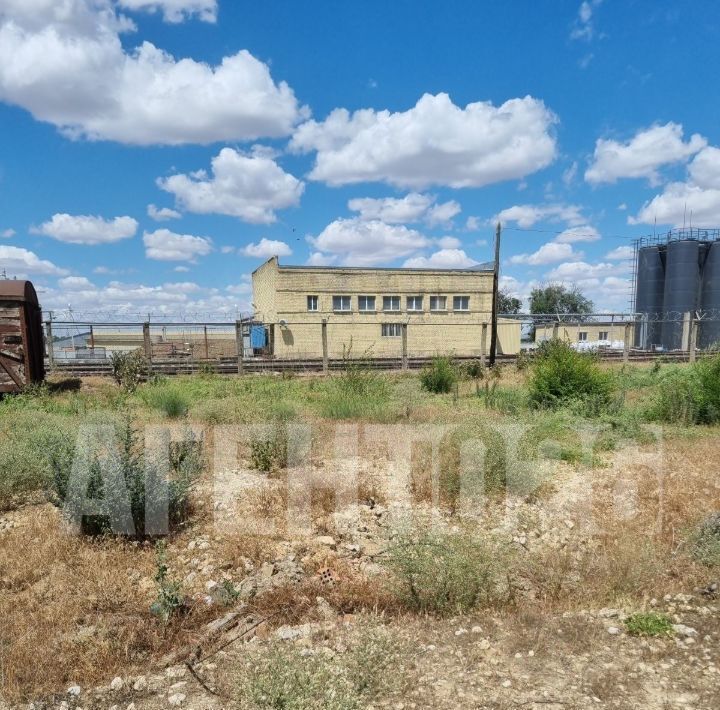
{"x":496,"y":279}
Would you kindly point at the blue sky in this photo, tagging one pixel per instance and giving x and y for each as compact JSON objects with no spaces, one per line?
{"x":155,"y":152}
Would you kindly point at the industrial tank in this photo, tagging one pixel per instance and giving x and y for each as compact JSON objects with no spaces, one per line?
{"x":649,"y":296}
{"x":710,"y":327}
{"x":682,"y":289}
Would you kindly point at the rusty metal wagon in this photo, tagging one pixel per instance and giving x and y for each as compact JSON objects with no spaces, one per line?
{"x":22,"y":348}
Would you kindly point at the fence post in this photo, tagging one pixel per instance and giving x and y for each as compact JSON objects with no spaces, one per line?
{"x":483,"y":345}
{"x":147,"y":342}
{"x":556,"y":330}
{"x":692,"y":355}
{"x":239,"y":347}
{"x":49,"y":344}
{"x":207,"y":349}
{"x":626,"y":342}
{"x":404,"y":347}
{"x":326,"y":364}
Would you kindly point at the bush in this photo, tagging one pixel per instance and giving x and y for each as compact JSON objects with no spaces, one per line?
{"x":128,"y":369}
{"x":690,"y":395}
{"x":269,"y":451}
{"x":357,"y":392}
{"x":563,"y":376}
{"x":169,"y":400}
{"x":170,"y":600}
{"x":440,"y":376}
{"x":295,"y":679}
{"x":649,"y":624}
{"x":473,"y":370}
{"x":126,"y":472}
{"x":444,"y":573}
{"x":705,"y":541}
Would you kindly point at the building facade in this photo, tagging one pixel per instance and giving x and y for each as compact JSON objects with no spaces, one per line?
{"x":590,"y":333}
{"x":366,"y":309}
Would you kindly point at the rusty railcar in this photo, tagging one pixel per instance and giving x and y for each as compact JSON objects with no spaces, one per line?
{"x":22,"y":348}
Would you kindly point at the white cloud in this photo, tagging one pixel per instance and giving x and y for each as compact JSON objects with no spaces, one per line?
{"x":164,"y":245}
{"x":64,"y":62}
{"x":433,"y":143}
{"x":472,"y":224}
{"x":162,"y":214}
{"x":21,"y":263}
{"x":581,"y":271}
{"x":546,"y":254}
{"x":181,"y":269}
{"x":443,"y":259}
{"x":584,"y":28}
{"x":643,"y":155}
{"x":414,"y":207}
{"x":251,"y":187}
{"x":620,"y":253}
{"x":266,"y":248}
{"x":175,"y":10}
{"x":526,"y":216}
{"x":8,"y":233}
{"x":696,"y":201}
{"x":449,"y":242}
{"x":318,"y":259}
{"x":365,"y":243}
{"x":86,"y":229}
{"x":581,"y":233}
{"x":75,"y":283}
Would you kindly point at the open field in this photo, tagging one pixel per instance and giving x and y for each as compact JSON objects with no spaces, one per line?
{"x":359,"y":541}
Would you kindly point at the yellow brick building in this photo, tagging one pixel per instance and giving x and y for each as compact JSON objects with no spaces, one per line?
{"x":441,"y":310}
{"x":597,"y":332}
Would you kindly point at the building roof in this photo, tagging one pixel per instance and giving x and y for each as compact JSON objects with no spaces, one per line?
{"x":16,"y":290}
{"x":484,"y":267}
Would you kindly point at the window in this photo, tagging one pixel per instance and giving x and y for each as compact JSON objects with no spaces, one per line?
{"x":391,"y":330}
{"x":391,"y":303}
{"x":603,"y":335}
{"x":582,"y":336}
{"x":366,"y":303}
{"x":461,"y":303}
{"x":414,"y":303}
{"x":438,"y":303}
{"x":341,"y":303}
{"x":312,"y":303}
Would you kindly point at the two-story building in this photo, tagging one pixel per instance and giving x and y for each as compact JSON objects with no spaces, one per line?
{"x":366,"y":309}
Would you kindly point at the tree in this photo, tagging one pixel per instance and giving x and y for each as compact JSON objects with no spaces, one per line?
{"x":556,"y":298}
{"x":507,"y":303}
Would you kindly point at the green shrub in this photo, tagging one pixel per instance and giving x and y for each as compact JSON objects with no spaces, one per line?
{"x":132,"y":469}
{"x":562,"y":376}
{"x":168,"y":399}
{"x":269,"y":450}
{"x":445,"y":573}
{"x":690,"y":395}
{"x":358,"y":392}
{"x":649,"y":624}
{"x":288,"y":678}
{"x":705,"y":541}
{"x":128,"y":369}
{"x":473,"y":370}
{"x":170,"y":600}
{"x":440,"y":376}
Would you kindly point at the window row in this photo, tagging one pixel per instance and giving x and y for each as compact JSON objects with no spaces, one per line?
{"x":392,"y":303}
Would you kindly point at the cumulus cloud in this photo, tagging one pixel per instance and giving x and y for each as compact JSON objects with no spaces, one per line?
{"x":359,"y":242}
{"x":581,"y":271}
{"x":696,"y":201}
{"x":266,"y":248}
{"x":162,"y":214}
{"x":175,"y":11}
{"x":449,"y":242}
{"x":620,"y":253}
{"x":8,"y":233}
{"x":64,"y":62}
{"x":414,"y":207}
{"x":526,"y":216}
{"x":86,"y":229}
{"x":433,"y":143}
{"x":164,"y":245}
{"x":75,"y":283}
{"x":443,"y":259}
{"x":642,"y":155}
{"x":21,"y":263}
{"x":249,"y":186}
{"x":547,"y":254}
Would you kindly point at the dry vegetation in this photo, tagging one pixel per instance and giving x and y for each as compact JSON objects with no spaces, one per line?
{"x":610,"y":523}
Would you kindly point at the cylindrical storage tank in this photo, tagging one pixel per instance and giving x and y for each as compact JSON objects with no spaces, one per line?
{"x":649,"y":294}
{"x":710,"y":299}
{"x":682,"y":290}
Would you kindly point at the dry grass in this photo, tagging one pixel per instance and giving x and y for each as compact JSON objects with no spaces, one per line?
{"x":81,"y":606}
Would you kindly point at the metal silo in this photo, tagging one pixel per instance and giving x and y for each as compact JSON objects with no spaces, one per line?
{"x":649,"y":294}
{"x":710,"y":328}
{"x":682,"y":289}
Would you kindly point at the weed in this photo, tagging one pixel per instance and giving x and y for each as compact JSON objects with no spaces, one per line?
{"x":128,"y":369}
{"x":170,"y":601}
{"x":269,"y":452}
{"x":444,"y":573}
{"x":473,"y":370}
{"x":169,"y":400}
{"x":440,"y":376}
{"x":705,"y":541}
{"x":357,"y":392}
{"x":649,"y":624}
